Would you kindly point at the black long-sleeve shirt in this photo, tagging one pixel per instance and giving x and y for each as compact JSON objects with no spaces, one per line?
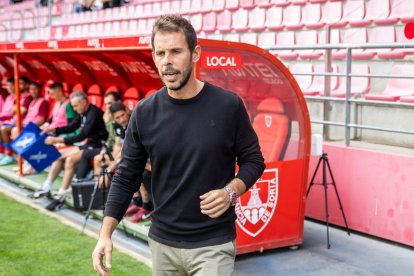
{"x":91,"y":125}
{"x":193,"y":145}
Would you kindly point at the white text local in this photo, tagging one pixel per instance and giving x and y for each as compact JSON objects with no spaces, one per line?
{"x":221,"y":61}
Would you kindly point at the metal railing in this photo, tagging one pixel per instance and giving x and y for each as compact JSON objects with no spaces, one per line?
{"x":348,"y":100}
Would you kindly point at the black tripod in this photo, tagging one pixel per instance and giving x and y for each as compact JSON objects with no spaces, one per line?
{"x":103,"y":174}
{"x":324,"y":159}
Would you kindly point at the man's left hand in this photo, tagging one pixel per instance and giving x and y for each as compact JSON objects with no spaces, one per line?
{"x":215,"y":203}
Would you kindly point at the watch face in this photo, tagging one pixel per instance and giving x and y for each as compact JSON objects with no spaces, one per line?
{"x":234,"y":199}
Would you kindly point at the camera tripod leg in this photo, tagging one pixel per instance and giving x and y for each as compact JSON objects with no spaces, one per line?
{"x":313,"y":177}
{"x":95,"y":188}
{"x":325,"y":186}
{"x":337,"y":196}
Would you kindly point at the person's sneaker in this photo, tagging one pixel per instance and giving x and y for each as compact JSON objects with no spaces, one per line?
{"x":141,"y":215}
{"x":132,"y":209}
{"x":6,"y":160}
{"x":40,"y":193}
{"x":56,"y":203}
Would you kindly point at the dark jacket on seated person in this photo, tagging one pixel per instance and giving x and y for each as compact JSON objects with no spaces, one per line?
{"x":91,"y":126}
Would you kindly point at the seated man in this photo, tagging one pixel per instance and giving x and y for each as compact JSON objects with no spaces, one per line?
{"x":8,"y":117}
{"x":88,"y":155}
{"x":37,"y":110}
{"x":92,"y":129}
{"x":62,"y":110}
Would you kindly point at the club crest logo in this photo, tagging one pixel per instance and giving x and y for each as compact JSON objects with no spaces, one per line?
{"x":268,"y":120}
{"x":256,"y":208}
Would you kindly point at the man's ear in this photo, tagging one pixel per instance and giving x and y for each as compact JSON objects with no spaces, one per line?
{"x":196,"y":53}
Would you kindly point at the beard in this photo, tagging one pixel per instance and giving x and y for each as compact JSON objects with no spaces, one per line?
{"x":186,"y":76}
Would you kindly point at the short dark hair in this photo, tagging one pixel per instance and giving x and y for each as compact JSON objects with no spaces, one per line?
{"x":114,"y":94}
{"x":56,"y":85}
{"x":25,"y":79}
{"x":175,"y":23}
{"x":10,"y":79}
{"x":117,"y":106}
{"x":35,"y":83}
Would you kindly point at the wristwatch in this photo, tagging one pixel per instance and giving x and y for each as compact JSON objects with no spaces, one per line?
{"x":232,"y":195}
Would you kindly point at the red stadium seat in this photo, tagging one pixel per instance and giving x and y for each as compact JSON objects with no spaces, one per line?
{"x":215,"y":36}
{"x":304,"y":81}
{"x":335,"y":38}
{"x":28,"y":19}
{"x":272,"y":127}
{"x":250,"y":38}
{"x":247,"y":4}
{"x":197,"y":22}
{"x":402,"y":10}
{"x":318,"y":1}
{"x":224,"y":21}
{"x":318,"y":84}
{"x":218,"y":5}
{"x":195,"y":6}
{"x":79,"y":87}
{"x":112,"y":88}
{"x":240,"y":20}
{"x":174,"y":7}
{"x":309,"y":38}
{"x":332,"y":13}
{"x":376,"y":10}
{"x":359,"y":85}
{"x":398,"y":53}
{"x":292,"y":17}
{"x":354,"y":11}
{"x":280,"y":3}
{"x":232,"y":37}
{"x":263,"y":3}
{"x":267,"y":40}
{"x":354,"y":36}
{"x":131,"y":97}
{"x":286,"y":39}
{"x":274,"y":18}
{"x":257,"y":19}
{"x":209,"y":22}
{"x":381,"y":35}
{"x":95,"y":95}
{"x":312,"y":15}
{"x":407,"y":99}
{"x":298,"y":2}
{"x":232,"y":5}
{"x":396,"y":87}
{"x":207,"y":6}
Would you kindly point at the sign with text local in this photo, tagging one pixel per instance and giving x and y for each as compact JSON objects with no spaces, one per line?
{"x":221,"y":61}
{"x":31,"y":146}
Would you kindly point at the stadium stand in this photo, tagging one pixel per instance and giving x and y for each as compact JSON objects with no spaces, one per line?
{"x":402,"y":10}
{"x":354,"y":11}
{"x":376,"y":11}
{"x":318,"y":84}
{"x":359,"y":85}
{"x":396,"y":87}
{"x":304,"y":81}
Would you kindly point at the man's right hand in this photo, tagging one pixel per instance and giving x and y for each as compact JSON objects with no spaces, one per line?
{"x":103,"y":248}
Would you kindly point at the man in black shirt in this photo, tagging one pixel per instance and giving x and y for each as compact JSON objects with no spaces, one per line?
{"x":193,"y":133}
{"x":92,"y":132}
